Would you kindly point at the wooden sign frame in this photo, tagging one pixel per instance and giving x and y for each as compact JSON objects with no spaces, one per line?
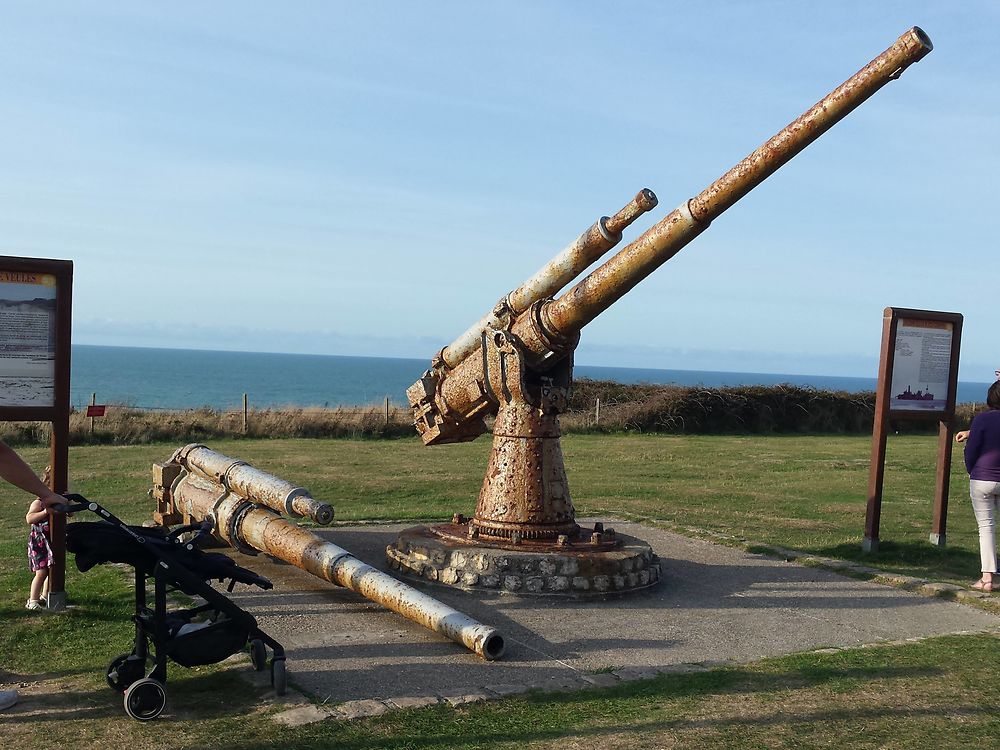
{"x":939,"y":336}
{"x":49,"y":274}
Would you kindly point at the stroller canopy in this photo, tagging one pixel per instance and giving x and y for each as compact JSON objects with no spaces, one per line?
{"x":99,"y":542}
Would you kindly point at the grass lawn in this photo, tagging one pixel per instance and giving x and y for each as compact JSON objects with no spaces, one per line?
{"x":806,"y":493}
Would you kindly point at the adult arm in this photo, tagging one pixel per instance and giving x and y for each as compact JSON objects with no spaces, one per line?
{"x":973,"y":444}
{"x":14,"y":470}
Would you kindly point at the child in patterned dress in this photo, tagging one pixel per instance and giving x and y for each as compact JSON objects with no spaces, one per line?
{"x":39,"y":554}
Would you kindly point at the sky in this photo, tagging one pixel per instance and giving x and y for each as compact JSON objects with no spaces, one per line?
{"x":370,"y":178}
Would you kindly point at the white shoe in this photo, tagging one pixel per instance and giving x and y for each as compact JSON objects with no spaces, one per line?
{"x":34,"y":604}
{"x":7,"y":698}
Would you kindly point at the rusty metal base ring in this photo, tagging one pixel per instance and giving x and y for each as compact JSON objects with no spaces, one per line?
{"x":509,"y":531}
{"x":466,"y":564}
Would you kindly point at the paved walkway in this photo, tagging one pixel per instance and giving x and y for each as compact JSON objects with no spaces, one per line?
{"x":715,"y":604}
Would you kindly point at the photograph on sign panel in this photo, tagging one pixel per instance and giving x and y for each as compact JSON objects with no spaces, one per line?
{"x":921,"y":365}
{"x":27,"y":339}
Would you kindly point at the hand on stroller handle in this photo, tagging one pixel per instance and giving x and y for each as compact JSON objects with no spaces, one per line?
{"x":204,"y":529}
{"x":79,"y":502}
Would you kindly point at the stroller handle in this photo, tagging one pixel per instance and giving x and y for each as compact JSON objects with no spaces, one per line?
{"x":78,"y":503}
{"x":204,"y":529}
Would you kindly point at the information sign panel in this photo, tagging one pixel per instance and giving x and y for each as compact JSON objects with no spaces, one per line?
{"x":27,"y":339}
{"x":917,"y":379}
{"x":921,"y":365}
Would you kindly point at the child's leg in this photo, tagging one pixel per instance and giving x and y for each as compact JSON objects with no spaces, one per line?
{"x":41,"y":577}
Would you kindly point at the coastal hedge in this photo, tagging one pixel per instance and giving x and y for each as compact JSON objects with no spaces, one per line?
{"x":644,"y":407}
{"x":732,"y":410}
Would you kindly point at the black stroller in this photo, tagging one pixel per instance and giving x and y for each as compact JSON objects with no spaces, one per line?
{"x":203,"y":634}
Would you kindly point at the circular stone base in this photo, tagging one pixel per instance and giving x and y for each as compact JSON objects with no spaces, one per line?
{"x":419,"y":551}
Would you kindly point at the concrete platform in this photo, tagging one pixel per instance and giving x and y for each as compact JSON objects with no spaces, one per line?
{"x":714,"y":604}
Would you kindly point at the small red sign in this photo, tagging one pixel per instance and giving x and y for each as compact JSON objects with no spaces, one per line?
{"x":96,"y":410}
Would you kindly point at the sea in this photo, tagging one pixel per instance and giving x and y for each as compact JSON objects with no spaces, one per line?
{"x":189,"y":379}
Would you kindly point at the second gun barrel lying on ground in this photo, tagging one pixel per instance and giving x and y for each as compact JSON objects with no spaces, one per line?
{"x":252,"y":483}
{"x":244,"y":524}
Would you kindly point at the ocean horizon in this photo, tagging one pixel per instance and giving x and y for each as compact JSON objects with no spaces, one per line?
{"x":150,"y":378}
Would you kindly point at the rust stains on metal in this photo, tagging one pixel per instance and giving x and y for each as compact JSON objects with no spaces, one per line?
{"x":525,"y":494}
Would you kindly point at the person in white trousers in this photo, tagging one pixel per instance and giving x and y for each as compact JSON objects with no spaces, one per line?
{"x":982,"y":460}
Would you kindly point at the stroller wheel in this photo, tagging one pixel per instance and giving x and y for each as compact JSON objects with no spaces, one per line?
{"x":258,"y":654}
{"x":145,"y":699}
{"x":278,"y":679}
{"x":124,"y":670}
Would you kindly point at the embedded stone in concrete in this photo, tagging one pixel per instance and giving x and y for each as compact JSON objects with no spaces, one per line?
{"x":512,"y":583}
{"x":557,"y":684}
{"x":604,"y":679}
{"x":505,"y":690}
{"x":686,"y":668}
{"x":937,"y":589}
{"x":361,"y":709}
{"x":534,"y":584}
{"x":302,"y":715}
{"x":464,"y":699}
{"x":470,"y":579}
{"x":558,"y":583}
{"x":413,"y":701}
{"x":635,"y":673}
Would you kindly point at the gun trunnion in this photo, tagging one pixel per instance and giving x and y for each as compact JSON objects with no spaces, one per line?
{"x":516,"y":364}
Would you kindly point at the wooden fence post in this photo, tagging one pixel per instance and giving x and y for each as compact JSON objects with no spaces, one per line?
{"x":93,"y":402}
{"x":246,"y":422}
{"x":597,"y":412}
{"x":386,"y":411}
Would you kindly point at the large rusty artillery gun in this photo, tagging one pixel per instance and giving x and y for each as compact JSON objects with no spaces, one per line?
{"x":516,"y":365}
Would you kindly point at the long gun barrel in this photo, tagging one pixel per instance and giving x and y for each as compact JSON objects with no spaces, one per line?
{"x":603,"y":235}
{"x":253,"y":484}
{"x":565,"y":316}
{"x":252,"y":528}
